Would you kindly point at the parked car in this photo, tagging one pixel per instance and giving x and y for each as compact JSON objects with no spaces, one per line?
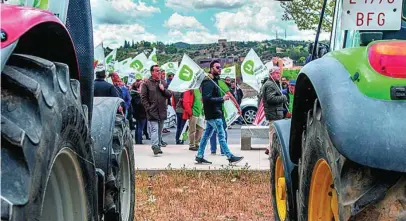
{"x":249,"y":107}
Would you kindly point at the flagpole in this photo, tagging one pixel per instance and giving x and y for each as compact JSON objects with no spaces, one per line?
{"x":234,"y":105}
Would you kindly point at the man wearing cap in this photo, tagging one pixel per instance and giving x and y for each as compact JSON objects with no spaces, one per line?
{"x":103,"y":88}
{"x":273,"y":100}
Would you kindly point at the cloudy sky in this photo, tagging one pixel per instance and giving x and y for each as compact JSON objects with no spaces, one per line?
{"x":191,"y":21}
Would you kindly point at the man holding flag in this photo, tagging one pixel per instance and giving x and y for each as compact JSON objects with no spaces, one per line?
{"x":213,"y":111}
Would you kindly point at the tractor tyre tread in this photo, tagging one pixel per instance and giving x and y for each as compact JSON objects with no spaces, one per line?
{"x":121,"y":139}
{"x":39,"y":118}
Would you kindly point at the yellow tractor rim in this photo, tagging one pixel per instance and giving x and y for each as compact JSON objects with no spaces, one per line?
{"x":280,"y":189}
{"x":323,"y":202}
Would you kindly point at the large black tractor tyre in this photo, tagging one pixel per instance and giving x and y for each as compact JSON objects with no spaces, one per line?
{"x":123,"y":170}
{"x":331,"y":187}
{"x":114,"y":153}
{"x":283,"y":206}
{"x":48,"y":172}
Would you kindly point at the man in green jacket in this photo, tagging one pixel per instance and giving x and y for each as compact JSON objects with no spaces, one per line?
{"x":273,"y":100}
{"x":193,"y":111}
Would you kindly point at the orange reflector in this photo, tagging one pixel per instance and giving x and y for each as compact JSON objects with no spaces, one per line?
{"x":388,"y":58}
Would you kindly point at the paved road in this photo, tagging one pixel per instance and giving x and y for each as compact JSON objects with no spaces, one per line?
{"x":178,"y":156}
{"x":234,"y":136}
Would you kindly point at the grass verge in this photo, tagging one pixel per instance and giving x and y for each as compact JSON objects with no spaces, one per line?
{"x":184,"y":195}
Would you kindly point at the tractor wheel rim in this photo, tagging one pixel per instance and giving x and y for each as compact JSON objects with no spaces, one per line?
{"x":249,"y":116}
{"x":280,"y":189}
{"x":323,"y":202}
{"x":65,"y":196}
{"x":125,"y":189}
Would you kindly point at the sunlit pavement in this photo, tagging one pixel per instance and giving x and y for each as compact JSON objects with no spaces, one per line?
{"x":180,"y":157}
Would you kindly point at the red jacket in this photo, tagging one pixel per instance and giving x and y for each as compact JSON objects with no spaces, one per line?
{"x":188,"y":99}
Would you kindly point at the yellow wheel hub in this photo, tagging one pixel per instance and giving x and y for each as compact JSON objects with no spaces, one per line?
{"x":280,"y":188}
{"x":323,"y":202}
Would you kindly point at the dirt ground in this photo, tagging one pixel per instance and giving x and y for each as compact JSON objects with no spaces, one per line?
{"x":226,"y":195}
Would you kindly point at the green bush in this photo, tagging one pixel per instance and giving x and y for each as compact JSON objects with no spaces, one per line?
{"x":291,"y":74}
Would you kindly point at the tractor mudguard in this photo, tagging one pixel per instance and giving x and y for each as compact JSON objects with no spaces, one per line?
{"x":35,"y":28}
{"x":367,"y":131}
{"x":103,"y":122}
{"x":282,"y":130}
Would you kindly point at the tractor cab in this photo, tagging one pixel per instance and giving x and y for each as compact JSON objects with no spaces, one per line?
{"x":359,"y":22}
{"x":346,"y":135}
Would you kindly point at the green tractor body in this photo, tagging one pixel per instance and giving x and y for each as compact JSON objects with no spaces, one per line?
{"x":343,"y":151}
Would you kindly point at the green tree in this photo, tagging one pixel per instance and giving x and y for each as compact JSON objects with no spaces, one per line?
{"x":147,"y":44}
{"x":301,"y":60}
{"x":306,"y":13}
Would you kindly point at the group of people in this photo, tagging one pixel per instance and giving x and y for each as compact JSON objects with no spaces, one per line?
{"x":147,"y":100}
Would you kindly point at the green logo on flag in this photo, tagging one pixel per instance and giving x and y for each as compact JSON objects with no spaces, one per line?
{"x":125,"y":62}
{"x":185,"y":74}
{"x":138,"y":76}
{"x":137,"y":65}
{"x":154,"y":58}
{"x":249,"y":67}
{"x":42,"y":4}
{"x":170,"y":65}
{"x":108,"y":60}
{"x":227,"y":70}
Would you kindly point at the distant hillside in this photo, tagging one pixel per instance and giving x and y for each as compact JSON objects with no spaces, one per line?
{"x":234,"y":50}
{"x":181,"y":45}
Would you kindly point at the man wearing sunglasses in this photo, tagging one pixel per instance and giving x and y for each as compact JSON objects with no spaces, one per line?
{"x":213,"y":111}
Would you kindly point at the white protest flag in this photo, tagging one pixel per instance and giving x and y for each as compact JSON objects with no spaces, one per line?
{"x":140,"y":65}
{"x":153,"y":56}
{"x":98,"y":63}
{"x":228,"y":72}
{"x":269,"y":65}
{"x":253,"y":70}
{"x":189,"y":76}
{"x":170,"y":67}
{"x":123,"y":65}
{"x":110,"y":60}
{"x":231,"y":112}
{"x":287,"y":62}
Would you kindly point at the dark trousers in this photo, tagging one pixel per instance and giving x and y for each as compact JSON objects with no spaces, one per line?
{"x":146,"y":131}
{"x":179,"y":127}
{"x":140,"y":128}
{"x":130,"y":118}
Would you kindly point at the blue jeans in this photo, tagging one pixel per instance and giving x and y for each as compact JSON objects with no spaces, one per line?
{"x":213,"y":138}
{"x":179,"y":127}
{"x":140,"y":128}
{"x":211,"y":126}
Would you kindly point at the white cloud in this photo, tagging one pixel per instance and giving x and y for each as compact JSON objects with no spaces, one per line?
{"x":225,"y":4}
{"x":120,"y":11}
{"x":179,"y":22}
{"x":204,"y":4}
{"x":187,"y":29}
{"x":259,"y":21}
{"x":113,"y":36}
{"x":192,"y":37}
